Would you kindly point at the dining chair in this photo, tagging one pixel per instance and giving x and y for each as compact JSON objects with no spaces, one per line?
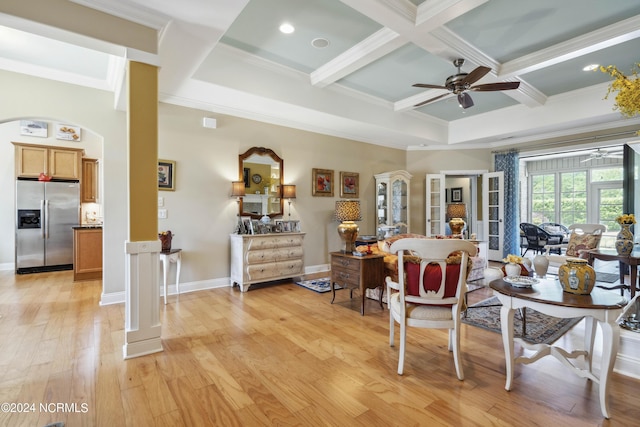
{"x":430,"y":290}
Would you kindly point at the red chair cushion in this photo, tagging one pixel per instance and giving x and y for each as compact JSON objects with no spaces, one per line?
{"x":432,"y":278}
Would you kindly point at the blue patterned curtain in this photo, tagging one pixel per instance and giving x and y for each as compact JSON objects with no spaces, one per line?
{"x":508,"y":162}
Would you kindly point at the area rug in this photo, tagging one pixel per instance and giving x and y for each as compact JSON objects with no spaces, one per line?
{"x":541,"y":329}
{"x":318,"y":285}
{"x":607,"y":277}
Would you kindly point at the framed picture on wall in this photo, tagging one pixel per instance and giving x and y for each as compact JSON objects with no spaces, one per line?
{"x":68,"y":132}
{"x":456,"y":195}
{"x":34,"y":128}
{"x":166,"y":175}
{"x":349,"y":184}
{"x":322,"y":182}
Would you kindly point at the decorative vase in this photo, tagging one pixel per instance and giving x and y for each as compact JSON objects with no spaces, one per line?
{"x":165,"y":239}
{"x":576,"y":276}
{"x":513,"y":269}
{"x":624,"y":240}
{"x":541,"y":265}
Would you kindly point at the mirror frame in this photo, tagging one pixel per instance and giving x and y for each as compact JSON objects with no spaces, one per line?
{"x":261,"y":151}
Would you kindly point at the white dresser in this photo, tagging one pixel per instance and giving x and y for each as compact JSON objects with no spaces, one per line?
{"x":259,"y":258}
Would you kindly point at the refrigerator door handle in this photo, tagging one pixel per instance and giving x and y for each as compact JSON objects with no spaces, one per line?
{"x":42,"y":219}
{"x":46,"y":219}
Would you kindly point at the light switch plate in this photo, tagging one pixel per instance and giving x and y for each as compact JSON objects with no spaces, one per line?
{"x":160,"y":201}
{"x":162,"y":213}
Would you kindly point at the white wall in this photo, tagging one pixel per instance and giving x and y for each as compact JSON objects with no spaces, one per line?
{"x":10,"y":132}
{"x":26,"y":97}
{"x":200,"y":211}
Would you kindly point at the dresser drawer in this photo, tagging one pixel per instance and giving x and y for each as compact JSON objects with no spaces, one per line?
{"x":345,"y":276}
{"x":289,"y":253}
{"x":262,"y":271}
{"x":261,"y":257}
{"x":286,"y":241}
{"x":290,"y":268}
{"x":345,"y":263}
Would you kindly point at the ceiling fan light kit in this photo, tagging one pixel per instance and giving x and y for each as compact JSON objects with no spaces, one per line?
{"x":464,"y":100}
{"x":459,"y":83}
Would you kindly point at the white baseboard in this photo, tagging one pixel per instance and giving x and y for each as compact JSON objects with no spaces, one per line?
{"x":628,"y":360}
{"x":118,"y":297}
{"x":321,"y":268}
{"x":7,"y":266}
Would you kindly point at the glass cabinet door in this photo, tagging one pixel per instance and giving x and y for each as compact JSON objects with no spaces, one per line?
{"x":381,"y":196}
{"x":435,"y":204}
{"x":399,"y":205}
{"x":392,"y":203}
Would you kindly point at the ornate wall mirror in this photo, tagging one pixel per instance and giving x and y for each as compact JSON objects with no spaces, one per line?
{"x":262,"y":171}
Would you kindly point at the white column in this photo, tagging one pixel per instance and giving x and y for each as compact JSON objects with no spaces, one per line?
{"x":142,"y":299}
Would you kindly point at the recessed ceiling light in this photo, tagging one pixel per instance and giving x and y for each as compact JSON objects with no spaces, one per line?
{"x":591,"y":67}
{"x":287,"y":28}
{"x":319,"y":43}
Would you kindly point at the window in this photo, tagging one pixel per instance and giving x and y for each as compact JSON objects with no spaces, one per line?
{"x":543,"y":198}
{"x":573,"y":197}
{"x":571,"y":192}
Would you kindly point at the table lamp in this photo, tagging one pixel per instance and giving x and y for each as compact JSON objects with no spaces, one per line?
{"x":348,"y":211}
{"x":289,"y":192}
{"x":455,"y":212}
{"x":237,"y":190}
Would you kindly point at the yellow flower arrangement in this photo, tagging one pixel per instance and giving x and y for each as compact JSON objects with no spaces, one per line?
{"x":513,"y":259}
{"x":628,"y":97}
{"x":626,"y":219}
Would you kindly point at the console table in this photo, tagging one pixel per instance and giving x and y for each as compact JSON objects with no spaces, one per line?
{"x":257,"y":258}
{"x":356,"y":272}
{"x":632,"y":260}
{"x":166,"y":257}
{"x":548,"y":297}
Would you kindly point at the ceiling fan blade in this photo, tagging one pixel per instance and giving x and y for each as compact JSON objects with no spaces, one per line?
{"x":420,"y":104}
{"x":475,"y":75}
{"x":428,"y":86}
{"x":496,"y":86}
{"x":587,"y":160}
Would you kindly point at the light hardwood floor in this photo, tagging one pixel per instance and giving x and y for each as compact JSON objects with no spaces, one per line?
{"x":276,"y":355}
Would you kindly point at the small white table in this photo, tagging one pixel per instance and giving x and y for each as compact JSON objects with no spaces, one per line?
{"x":171,"y":256}
{"x":600,"y":307}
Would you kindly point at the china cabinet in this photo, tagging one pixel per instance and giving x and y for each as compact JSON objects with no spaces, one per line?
{"x":392,"y":202}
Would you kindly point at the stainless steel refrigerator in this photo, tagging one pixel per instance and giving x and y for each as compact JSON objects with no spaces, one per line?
{"x":46,"y":213}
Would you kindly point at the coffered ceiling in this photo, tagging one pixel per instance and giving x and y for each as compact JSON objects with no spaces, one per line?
{"x":348,"y":68}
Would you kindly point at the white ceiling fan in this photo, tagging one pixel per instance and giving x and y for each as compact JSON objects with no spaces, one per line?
{"x":601,"y":154}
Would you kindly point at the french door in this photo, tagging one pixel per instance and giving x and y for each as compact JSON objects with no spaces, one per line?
{"x":493,"y":213}
{"x":492,"y":210}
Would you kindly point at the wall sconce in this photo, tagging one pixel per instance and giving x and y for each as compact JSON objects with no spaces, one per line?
{"x":348,"y":211}
{"x":289,"y":193}
{"x":237,"y":191}
{"x":455,"y":212}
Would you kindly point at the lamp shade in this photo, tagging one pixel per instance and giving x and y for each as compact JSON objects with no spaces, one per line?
{"x":237,"y":189}
{"x":457,"y":210}
{"x":288,"y":191}
{"x":348,"y":210}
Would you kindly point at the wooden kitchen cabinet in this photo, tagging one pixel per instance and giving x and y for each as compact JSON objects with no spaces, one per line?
{"x":89,"y":183}
{"x":56,"y":162}
{"x":87,"y":253}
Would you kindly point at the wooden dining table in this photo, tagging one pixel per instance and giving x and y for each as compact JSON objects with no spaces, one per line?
{"x":632,"y":261}
{"x":546,"y":296}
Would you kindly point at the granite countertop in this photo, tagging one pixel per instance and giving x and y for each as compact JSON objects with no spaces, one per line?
{"x":86,"y":226}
